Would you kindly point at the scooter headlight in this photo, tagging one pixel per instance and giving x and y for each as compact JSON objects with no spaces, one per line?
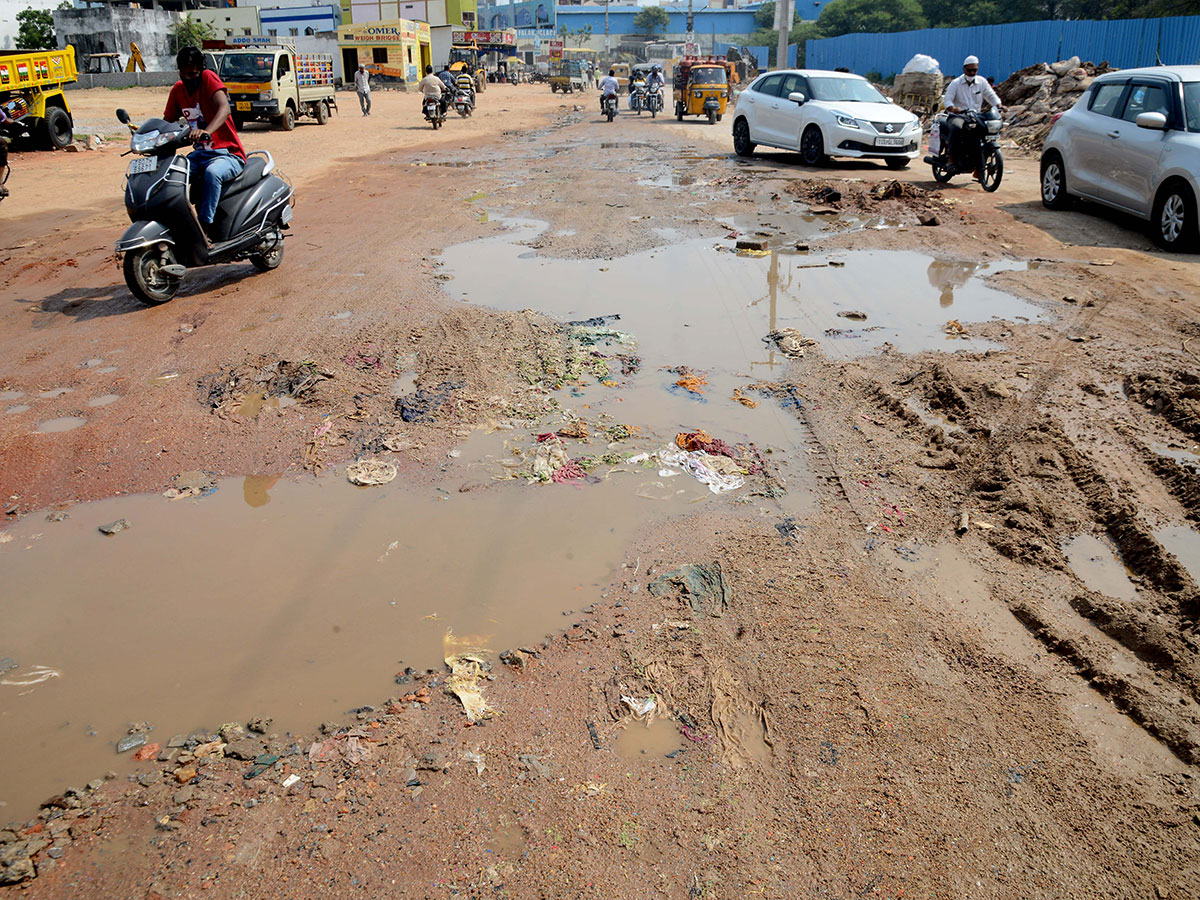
{"x":140,"y":143}
{"x":164,"y":139}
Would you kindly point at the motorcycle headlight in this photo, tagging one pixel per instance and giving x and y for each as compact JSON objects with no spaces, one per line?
{"x":140,"y":143}
{"x":846,"y":121}
{"x":266,"y":95}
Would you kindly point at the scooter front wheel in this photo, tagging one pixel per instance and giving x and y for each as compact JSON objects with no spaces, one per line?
{"x":145,"y":278}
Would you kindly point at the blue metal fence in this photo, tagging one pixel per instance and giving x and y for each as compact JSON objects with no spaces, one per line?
{"x":1003,"y":49}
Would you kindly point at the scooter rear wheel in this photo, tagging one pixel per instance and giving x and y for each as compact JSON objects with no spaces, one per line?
{"x":265,"y":262}
{"x":144,"y":276}
{"x":941,"y":174}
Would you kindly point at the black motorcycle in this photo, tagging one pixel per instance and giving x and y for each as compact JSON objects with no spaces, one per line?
{"x":166,"y":239}
{"x":975,"y":150}
{"x":5,"y":171}
{"x":654,"y":101}
{"x":435,"y":114}
{"x":610,"y":106}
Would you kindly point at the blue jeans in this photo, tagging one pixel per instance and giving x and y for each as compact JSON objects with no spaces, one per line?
{"x":216,"y":167}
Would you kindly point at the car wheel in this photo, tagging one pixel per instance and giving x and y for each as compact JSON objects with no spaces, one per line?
{"x":1054,"y":182}
{"x":742,"y":145}
{"x":1174,"y":219}
{"x":897,"y":162}
{"x":812,"y":146}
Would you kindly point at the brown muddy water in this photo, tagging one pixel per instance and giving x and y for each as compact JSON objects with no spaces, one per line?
{"x":295,"y":600}
{"x":1096,"y":564}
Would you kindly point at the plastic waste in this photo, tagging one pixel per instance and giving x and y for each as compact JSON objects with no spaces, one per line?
{"x":922,"y":63}
{"x":465,"y":674}
{"x":370,"y":471}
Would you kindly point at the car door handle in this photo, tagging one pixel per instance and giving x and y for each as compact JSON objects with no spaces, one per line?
{"x":1114,"y":134}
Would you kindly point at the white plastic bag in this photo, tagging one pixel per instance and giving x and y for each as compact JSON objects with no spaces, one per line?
{"x":921,"y":63}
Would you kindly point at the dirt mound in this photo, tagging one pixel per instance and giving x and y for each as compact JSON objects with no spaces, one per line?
{"x":895,"y":199}
{"x":1035,"y":94}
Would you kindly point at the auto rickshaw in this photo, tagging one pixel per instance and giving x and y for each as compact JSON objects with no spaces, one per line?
{"x":702,"y":87}
{"x":566,"y":75}
{"x":621,"y":72}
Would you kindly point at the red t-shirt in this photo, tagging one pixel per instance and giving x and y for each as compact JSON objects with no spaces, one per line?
{"x":201,"y":109}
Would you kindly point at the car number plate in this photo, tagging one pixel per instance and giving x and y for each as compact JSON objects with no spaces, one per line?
{"x":889,"y":142}
{"x":242,"y":106}
{"x":145,"y":164}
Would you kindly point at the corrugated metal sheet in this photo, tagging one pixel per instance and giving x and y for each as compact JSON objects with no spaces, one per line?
{"x":1003,"y":49}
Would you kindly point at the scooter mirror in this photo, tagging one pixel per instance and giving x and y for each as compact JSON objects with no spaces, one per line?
{"x":122,"y":117}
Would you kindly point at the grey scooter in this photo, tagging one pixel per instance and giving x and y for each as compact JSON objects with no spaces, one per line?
{"x":165,"y":239}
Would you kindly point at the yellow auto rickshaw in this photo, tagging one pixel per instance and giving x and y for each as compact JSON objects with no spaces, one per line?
{"x":702,"y":86}
{"x":621,"y":72}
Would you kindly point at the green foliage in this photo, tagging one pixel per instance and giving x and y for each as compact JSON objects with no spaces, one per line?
{"x":189,"y":32}
{"x":35,"y":30}
{"x":764,"y":16}
{"x":871,"y":16}
{"x":578,"y":36}
{"x":651,"y":19}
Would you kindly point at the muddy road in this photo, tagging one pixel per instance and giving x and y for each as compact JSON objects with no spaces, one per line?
{"x":861,"y":561}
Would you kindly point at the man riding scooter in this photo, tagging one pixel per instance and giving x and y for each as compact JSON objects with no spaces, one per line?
{"x":965,"y":93}
{"x":200,"y":97}
{"x":465,"y":82}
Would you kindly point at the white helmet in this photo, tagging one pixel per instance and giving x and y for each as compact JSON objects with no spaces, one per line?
{"x":971,"y":61}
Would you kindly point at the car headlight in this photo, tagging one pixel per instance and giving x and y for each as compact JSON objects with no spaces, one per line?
{"x":266,"y":95}
{"x":846,"y":121}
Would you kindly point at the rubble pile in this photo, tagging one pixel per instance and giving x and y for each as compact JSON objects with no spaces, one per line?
{"x":1035,"y":94}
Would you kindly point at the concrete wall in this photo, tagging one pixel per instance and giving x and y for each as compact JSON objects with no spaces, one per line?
{"x":126,"y":79}
{"x":8,"y":19}
{"x":230,"y":21}
{"x":110,"y":29}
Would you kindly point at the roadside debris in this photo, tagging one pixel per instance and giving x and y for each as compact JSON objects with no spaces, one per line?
{"x":702,"y":587}
{"x":790,"y":342}
{"x":857,"y":314}
{"x":370,"y":471}
{"x":643,"y":709}
{"x":423,"y":405}
{"x":954,"y":329}
{"x":191,"y":484}
{"x":114,"y":527}
{"x":465,"y":674}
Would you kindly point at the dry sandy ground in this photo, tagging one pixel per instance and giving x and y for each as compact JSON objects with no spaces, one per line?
{"x":874,"y":712}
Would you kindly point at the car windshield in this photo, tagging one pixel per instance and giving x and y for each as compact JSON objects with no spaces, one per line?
{"x":844,"y":90}
{"x":247,"y":66}
{"x":1191,"y":105}
{"x":708,"y":75}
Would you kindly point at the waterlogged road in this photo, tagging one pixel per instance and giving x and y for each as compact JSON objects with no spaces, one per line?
{"x":851,"y":699}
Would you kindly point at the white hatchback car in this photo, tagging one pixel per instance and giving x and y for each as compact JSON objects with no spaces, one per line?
{"x":1132,"y":142}
{"x":823,"y":114}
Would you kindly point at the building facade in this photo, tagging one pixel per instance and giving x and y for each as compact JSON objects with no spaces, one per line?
{"x":229,"y":21}
{"x":297,"y":21}
{"x":394,"y":51}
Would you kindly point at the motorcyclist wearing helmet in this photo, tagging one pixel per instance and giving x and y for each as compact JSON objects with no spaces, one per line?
{"x":656,"y":80}
{"x":965,"y":93}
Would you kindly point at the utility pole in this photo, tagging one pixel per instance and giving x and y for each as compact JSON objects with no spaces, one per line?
{"x":606,"y":48}
{"x":691,"y":25}
{"x":783,"y":21}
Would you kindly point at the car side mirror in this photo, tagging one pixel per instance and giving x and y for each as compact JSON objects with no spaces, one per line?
{"x":890,"y":100}
{"x":797,"y":97}
{"x":122,"y":117}
{"x":1155,"y":121}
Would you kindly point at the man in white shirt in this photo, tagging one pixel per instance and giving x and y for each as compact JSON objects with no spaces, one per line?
{"x":609,"y":87}
{"x":966,"y":92}
{"x":431,"y":87}
{"x":362,"y":86}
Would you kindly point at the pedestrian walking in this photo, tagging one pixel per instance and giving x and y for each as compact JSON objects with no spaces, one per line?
{"x":362,"y":85}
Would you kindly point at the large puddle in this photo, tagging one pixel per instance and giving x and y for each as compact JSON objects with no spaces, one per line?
{"x":699,"y":302}
{"x":294,"y":600}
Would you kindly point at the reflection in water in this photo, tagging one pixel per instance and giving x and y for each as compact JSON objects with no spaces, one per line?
{"x":255,"y":489}
{"x":946,"y":275}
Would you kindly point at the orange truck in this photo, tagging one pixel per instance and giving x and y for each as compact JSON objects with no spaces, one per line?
{"x":31,"y":94}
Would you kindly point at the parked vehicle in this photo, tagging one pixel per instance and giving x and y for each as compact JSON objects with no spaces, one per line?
{"x":610,"y":106}
{"x":702,"y":87}
{"x":278,"y":85}
{"x":166,"y":239}
{"x":822,"y":114}
{"x":975,"y":149}
{"x":464,"y":104}
{"x":4,"y":169}
{"x":434,"y":114}
{"x":31,"y":93}
{"x":1132,"y":142}
{"x":566,"y":75}
{"x":540,"y":73}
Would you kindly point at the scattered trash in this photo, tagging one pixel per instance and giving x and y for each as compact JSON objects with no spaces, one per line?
{"x":743,"y":399}
{"x":691,"y":381}
{"x":1102,"y":262}
{"x":790,"y":342}
{"x":261,"y":764}
{"x":370,"y":471}
{"x":7,"y":663}
{"x":789,"y":530}
{"x":570,"y":471}
{"x":595,"y":321}
{"x":289,"y":781}
{"x":720,"y":477}
{"x":114,"y":527}
{"x":964,"y":522}
{"x":856,"y":314}
{"x":465,"y":674}
{"x":36,"y":675}
{"x":954,"y":328}
{"x":641,"y":709}
{"x":827,"y":194}
{"x":422,"y":406}
{"x":592,"y":733}
{"x":702,"y":586}
{"x":476,"y":757}
{"x":191,"y":484}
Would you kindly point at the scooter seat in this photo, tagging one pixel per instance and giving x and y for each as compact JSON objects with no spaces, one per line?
{"x":251,"y":174}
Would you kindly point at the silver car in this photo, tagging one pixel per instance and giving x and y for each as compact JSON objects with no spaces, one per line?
{"x":1132,"y":142}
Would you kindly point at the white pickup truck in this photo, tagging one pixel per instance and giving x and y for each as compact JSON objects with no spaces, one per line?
{"x":278,"y":85}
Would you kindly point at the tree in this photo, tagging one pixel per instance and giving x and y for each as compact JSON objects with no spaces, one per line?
{"x":577,"y":35}
{"x":35,"y":30}
{"x":871,"y":16}
{"x":189,"y":32}
{"x":764,"y":16}
{"x":651,"y":19}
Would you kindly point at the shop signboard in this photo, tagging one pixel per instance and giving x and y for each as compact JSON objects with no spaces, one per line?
{"x":556,"y":48}
{"x":484,"y":37}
